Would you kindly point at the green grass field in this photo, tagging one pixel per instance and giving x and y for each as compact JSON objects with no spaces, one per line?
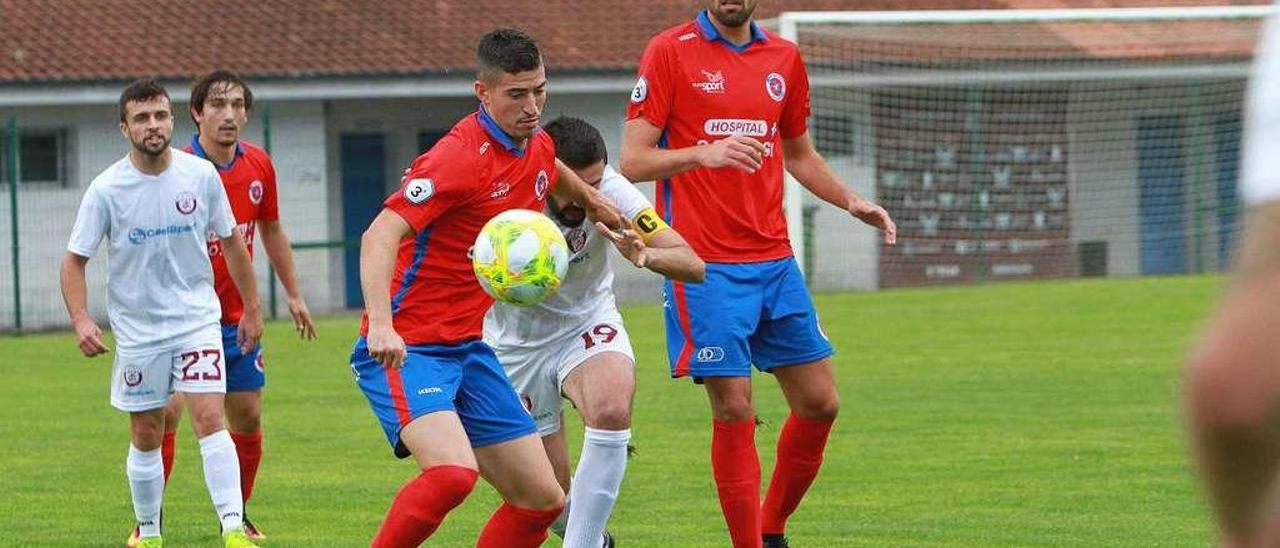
{"x":1010,"y":415}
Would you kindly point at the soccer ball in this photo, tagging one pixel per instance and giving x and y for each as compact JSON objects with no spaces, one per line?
{"x":520,"y":257}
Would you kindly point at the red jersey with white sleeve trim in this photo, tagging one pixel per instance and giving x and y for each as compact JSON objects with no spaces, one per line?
{"x":448,"y":194}
{"x":250,"y":183}
{"x":698,"y":88}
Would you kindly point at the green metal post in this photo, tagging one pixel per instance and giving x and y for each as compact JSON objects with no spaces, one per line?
{"x":271,"y":271}
{"x":808,"y":215}
{"x":13,"y":219}
{"x":1201,"y":146}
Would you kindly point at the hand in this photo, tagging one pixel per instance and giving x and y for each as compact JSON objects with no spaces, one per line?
{"x":250,"y":331}
{"x":385,"y":345}
{"x":89,"y":338}
{"x":602,"y":210}
{"x":876,"y":216}
{"x":628,"y":242}
{"x":737,"y":152}
{"x":302,"y":322}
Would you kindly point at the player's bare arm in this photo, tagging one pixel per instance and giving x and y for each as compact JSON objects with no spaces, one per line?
{"x":643,"y":160}
{"x":378,"y":249}
{"x":809,"y":168}
{"x":276,"y":242}
{"x":665,"y":252}
{"x":599,"y":207}
{"x":75,"y":295}
{"x":240,"y":266}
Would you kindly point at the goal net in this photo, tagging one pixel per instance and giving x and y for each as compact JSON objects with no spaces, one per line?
{"x":1024,"y":144}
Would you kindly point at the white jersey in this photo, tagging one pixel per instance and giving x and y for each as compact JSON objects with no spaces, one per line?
{"x":159,"y":279}
{"x":1260,"y":181}
{"x":587,"y":287}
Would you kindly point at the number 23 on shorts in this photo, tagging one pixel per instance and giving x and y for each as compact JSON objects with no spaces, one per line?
{"x":202,"y":365}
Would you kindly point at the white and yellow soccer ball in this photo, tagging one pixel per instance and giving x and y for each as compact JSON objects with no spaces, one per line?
{"x":520,"y":257}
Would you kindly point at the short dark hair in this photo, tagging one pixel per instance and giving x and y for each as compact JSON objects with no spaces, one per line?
{"x":578,"y":143}
{"x":201,"y":87}
{"x":507,"y":50}
{"x":140,"y":91}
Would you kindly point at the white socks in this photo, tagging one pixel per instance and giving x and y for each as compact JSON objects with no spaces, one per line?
{"x":595,"y":486}
{"x":145,"y":470}
{"x":222,"y":476}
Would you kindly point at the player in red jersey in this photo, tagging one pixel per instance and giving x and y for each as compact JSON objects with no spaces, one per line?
{"x":436,"y":388}
{"x":220,"y":106}
{"x":719,"y":103}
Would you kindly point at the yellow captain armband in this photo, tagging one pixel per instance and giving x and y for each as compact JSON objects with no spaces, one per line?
{"x":648,"y":223}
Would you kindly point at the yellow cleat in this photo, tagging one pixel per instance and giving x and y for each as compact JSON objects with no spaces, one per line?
{"x":150,"y":542}
{"x":237,"y":539}
{"x":134,"y":539}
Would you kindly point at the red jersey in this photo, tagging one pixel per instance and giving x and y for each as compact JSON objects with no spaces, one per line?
{"x":698,"y":88}
{"x":250,"y":182}
{"x":448,"y":194}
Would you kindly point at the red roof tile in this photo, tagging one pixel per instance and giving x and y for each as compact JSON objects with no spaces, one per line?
{"x":107,"y":40}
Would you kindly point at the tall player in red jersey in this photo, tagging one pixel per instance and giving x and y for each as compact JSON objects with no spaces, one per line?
{"x":220,"y":106}
{"x":436,"y":388}
{"x":718,"y":105}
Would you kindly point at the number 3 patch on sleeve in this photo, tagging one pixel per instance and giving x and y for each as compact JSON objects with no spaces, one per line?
{"x":649,"y":223}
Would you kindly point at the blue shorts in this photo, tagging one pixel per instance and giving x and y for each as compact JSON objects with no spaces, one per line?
{"x":244,"y":371}
{"x":465,"y":378}
{"x":742,"y":314}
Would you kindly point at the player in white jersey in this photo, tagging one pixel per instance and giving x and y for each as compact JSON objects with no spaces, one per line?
{"x":158,"y":208}
{"x":1233,"y":388}
{"x":574,"y":343}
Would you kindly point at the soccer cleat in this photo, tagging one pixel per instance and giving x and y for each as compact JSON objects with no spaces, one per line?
{"x":150,"y":542}
{"x":134,"y":539}
{"x":608,"y":540}
{"x":251,"y":530}
{"x":775,"y":540}
{"x":237,"y":539}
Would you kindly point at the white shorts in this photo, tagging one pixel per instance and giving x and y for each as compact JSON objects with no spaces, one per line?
{"x":142,"y":379}
{"x":537,"y":371}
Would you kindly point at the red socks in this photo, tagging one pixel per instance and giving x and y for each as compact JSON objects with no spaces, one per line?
{"x":422,"y":505}
{"x":515,"y":527}
{"x":249,"y":452}
{"x":800,"y":449}
{"x":736,"y":467}
{"x":166,"y":453}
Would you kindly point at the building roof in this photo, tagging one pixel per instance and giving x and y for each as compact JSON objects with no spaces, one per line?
{"x":86,"y":41}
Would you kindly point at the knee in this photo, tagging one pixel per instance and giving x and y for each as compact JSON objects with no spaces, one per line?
{"x":454,"y":483}
{"x":146,"y":436}
{"x":613,"y":415}
{"x":733,"y":408}
{"x":550,"y":501}
{"x":824,"y":409}
{"x":244,"y":421}
{"x":1225,"y":397}
{"x":206,"y":420}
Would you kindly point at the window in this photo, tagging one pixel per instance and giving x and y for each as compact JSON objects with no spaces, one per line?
{"x":42,"y":157}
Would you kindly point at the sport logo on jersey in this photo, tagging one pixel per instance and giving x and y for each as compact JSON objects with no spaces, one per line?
{"x":577,"y":239}
{"x":540,"y":185}
{"x":186,"y":203}
{"x":724,"y":127}
{"x":713,"y":82}
{"x":776,"y":86}
{"x":255,"y":192}
{"x":419,"y":190}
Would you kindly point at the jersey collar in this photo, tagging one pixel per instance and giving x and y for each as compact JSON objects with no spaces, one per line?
{"x":710,"y":33}
{"x":496,"y":132}
{"x":199,"y":151}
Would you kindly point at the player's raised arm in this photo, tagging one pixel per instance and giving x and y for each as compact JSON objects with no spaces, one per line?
{"x":378,"y":249}
{"x":75,"y":295}
{"x":811,"y":170}
{"x":599,"y":207}
{"x":240,"y":266}
{"x":643,"y":160}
